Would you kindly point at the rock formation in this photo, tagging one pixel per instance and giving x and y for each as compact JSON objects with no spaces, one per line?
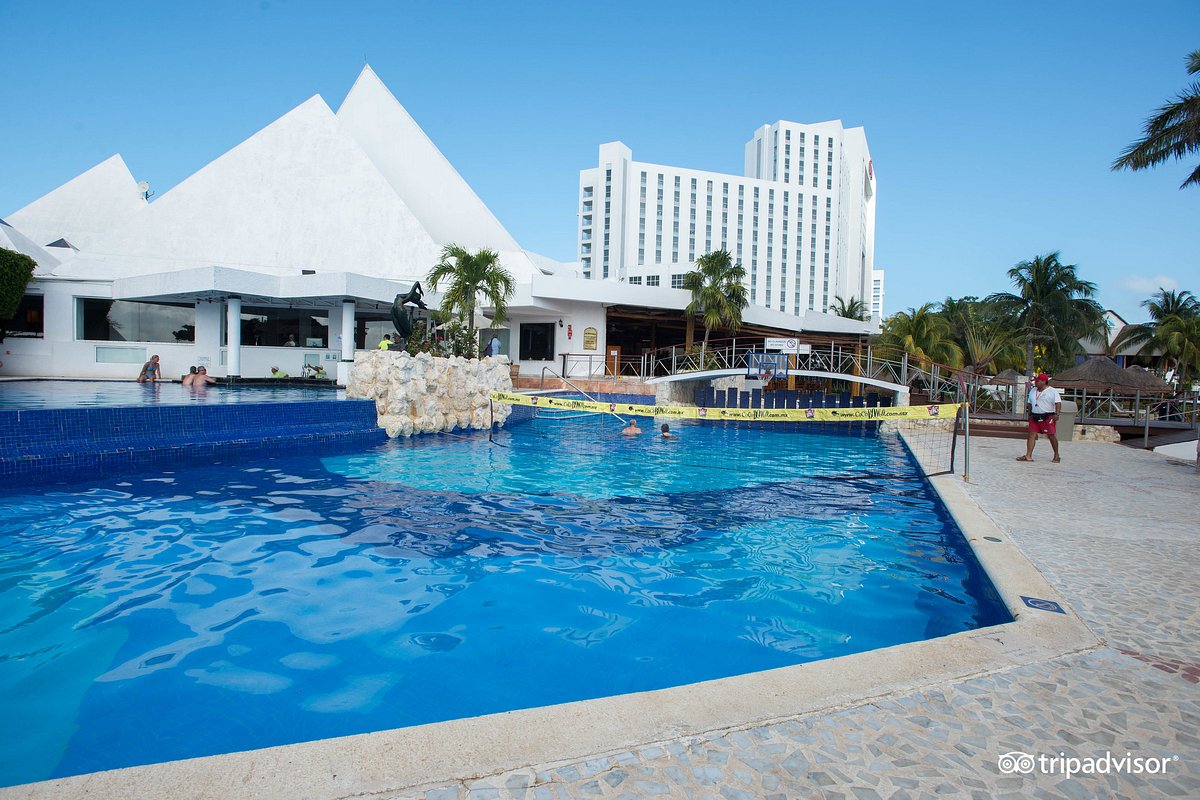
{"x":424,"y":394}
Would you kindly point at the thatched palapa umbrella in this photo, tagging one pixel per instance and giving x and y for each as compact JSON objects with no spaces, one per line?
{"x":1103,"y":371}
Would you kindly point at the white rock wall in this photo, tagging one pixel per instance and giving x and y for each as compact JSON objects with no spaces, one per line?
{"x":423,"y":394}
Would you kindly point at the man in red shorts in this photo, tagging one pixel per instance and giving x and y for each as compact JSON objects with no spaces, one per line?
{"x":1045,"y":403}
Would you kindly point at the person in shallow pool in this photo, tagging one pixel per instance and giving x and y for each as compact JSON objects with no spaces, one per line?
{"x":666,"y":431}
{"x":190,"y":377}
{"x":150,"y":370}
{"x":202,"y":378}
{"x":631,"y":429}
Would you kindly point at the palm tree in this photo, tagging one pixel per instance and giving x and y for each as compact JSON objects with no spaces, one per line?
{"x":983,"y":331}
{"x":924,"y":333}
{"x":1162,"y":304}
{"x":469,"y":275}
{"x":854,"y":309}
{"x":1179,"y":337}
{"x":1052,"y":306}
{"x":1171,"y":133}
{"x":718,"y":293}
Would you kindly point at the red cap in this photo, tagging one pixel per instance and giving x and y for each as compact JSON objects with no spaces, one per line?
{"x":1042,"y":377}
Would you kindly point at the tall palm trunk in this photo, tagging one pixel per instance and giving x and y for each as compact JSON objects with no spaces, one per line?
{"x":690,"y":339}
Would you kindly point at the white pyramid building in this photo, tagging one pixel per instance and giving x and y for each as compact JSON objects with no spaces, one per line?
{"x":84,"y":209}
{"x":299,"y":194}
{"x":13,"y":239}
{"x":443,"y":202}
{"x":363,"y":191}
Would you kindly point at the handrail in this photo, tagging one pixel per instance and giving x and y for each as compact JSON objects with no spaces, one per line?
{"x":576,"y":388}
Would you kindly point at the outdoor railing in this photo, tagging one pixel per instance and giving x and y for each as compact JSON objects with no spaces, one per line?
{"x":937,"y":382}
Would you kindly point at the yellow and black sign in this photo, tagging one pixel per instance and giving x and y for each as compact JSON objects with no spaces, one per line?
{"x":943,"y":411}
{"x":590,"y":336}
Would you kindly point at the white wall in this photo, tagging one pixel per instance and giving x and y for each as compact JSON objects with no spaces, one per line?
{"x":59,"y":355}
{"x":576,"y":317}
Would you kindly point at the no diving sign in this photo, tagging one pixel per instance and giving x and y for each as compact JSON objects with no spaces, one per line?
{"x":786,"y":345}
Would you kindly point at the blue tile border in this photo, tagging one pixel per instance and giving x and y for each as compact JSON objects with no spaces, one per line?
{"x":63,"y":444}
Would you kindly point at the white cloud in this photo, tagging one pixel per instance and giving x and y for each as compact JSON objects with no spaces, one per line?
{"x":1148,"y":285}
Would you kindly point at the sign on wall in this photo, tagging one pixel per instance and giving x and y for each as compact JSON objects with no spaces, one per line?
{"x":590,"y":336}
{"x":786,"y":345}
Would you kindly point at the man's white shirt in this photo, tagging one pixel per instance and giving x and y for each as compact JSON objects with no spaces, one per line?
{"x":1044,"y":401}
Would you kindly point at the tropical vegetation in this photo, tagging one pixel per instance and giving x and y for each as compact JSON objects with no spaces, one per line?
{"x":466,"y":276}
{"x":1052,"y":307}
{"x":985,"y":333}
{"x":718,"y":294}
{"x":1171,"y":332}
{"x":444,"y":335}
{"x":16,"y":270}
{"x":924,"y":333}
{"x":1173,"y":132}
{"x":852,"y":309}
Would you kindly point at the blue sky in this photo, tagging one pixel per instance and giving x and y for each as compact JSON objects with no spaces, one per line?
{"x":991,"y":125}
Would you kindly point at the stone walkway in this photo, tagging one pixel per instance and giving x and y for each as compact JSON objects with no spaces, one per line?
{"x":1115,"y":530}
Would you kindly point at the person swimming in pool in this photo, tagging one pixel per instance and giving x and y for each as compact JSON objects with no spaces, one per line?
{"x":150,"y":370}
{"x":666,"y":431}
{"x":631,"y":429}
{"x":202,"y":378}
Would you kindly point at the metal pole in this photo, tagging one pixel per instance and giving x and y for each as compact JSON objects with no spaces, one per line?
{"x":1146,"y":432}
{"x":904,"y":370}
{"x":967,"y":443}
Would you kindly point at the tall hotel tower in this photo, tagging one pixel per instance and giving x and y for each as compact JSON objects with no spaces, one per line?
{"x":801,"y":221}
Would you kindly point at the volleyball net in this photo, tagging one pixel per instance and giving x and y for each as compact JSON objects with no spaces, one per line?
{"x":838,"y":442}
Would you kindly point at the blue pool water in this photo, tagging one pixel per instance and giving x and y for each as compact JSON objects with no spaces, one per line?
{"x":84,"y":394}
{"x":234,"y":606}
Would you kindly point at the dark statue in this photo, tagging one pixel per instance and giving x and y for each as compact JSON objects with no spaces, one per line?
{"x":402,"y":317}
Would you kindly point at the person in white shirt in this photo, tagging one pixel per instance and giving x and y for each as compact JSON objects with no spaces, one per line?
{"x":1045,"y":403}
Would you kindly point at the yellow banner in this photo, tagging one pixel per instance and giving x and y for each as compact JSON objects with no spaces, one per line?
{"x":942,"y":411}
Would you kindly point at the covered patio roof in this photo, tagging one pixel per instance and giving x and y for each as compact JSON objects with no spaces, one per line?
{"x":319,"y":290}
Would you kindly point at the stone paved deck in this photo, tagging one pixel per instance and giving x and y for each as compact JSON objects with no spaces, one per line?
{"x":1115,"y":530}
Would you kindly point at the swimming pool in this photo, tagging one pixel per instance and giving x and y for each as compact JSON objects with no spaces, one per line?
{"x":85,"y":394}
{"x":235,"y":606}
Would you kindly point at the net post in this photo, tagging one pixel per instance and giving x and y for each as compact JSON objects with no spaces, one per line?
{"x":954,"y":437}
{"x":967,"y":442}
{"x":491,"y":419}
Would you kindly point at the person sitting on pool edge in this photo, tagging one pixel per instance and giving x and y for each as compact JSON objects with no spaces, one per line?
{"x":631,"y":429}
{"x":666,"y":431}
{"x":149,"y":373}
{"x":276,"y":372}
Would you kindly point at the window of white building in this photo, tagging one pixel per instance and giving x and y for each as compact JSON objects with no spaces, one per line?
{"x":130,"y":321}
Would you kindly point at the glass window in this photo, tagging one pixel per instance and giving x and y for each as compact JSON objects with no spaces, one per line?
{"x":129,"y":321}
{"x":275,"y":327}
{"x":29,"y":319}
{"x":677,"y":281}
{"x":652,"y":280}
{"x":537,"y":341}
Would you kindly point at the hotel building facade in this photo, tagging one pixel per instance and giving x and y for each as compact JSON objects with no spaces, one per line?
{"x":801,"y":220}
